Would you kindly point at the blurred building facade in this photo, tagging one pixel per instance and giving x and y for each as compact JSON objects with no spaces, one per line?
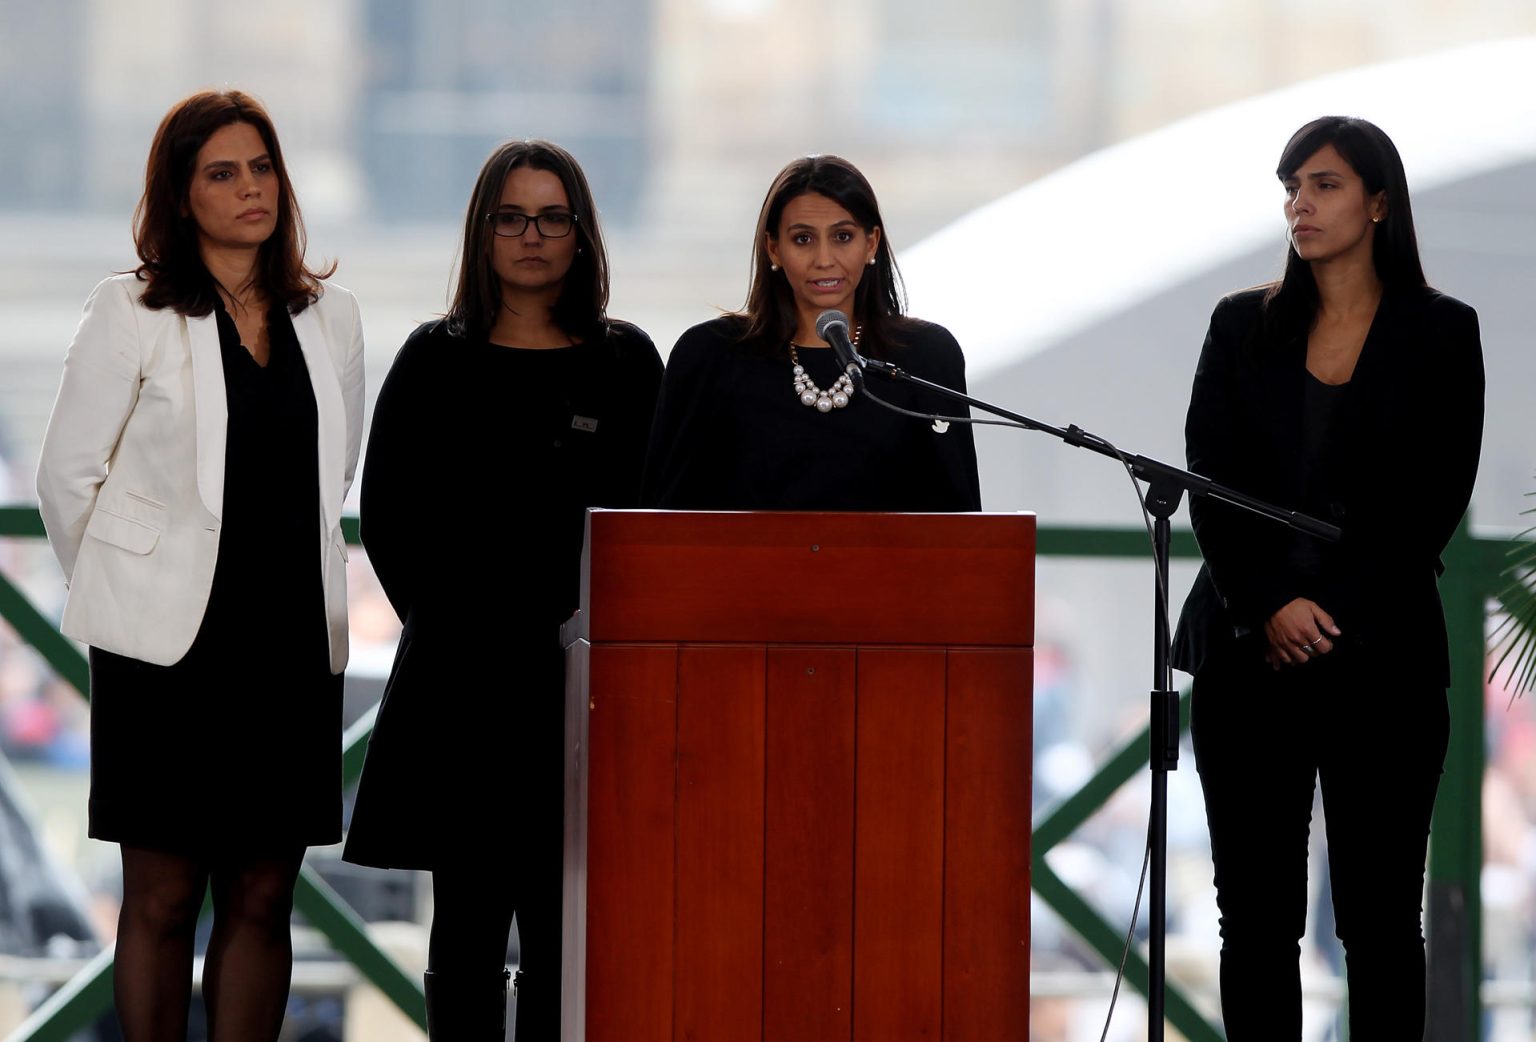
{"x":392,"y":104}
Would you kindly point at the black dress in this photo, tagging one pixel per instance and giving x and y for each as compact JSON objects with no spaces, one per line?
{"x":731,"y":434}
{"x":482,"y":461}
{"x":236,"y":748}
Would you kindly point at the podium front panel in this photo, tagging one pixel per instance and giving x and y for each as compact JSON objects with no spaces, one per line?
{"x":797,"y":839}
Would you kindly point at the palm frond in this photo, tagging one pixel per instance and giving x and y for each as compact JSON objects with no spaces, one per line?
{"x":1514,"y":637}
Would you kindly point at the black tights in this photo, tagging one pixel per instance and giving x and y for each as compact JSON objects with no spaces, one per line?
{"x":472,"y":918}
{"x":250,"y":953}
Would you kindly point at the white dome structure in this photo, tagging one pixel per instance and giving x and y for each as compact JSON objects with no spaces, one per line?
{"x":1122,"y":225}
{"x":1084,"y":297}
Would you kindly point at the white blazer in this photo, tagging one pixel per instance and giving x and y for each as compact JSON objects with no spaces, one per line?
{"x":131,"y":476}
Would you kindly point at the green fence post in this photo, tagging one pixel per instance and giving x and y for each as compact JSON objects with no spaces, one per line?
{"x":21,"y":522}
{"x":1456,"y":834}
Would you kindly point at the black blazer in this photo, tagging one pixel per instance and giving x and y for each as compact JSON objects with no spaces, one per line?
{"x":1396,"y":474}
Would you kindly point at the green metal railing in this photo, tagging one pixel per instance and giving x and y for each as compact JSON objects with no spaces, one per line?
{"x":1473,"y":567}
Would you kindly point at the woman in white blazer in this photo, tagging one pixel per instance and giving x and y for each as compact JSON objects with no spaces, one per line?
{"x":191,"y":480}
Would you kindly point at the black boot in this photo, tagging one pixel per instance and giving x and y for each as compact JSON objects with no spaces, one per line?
{"x":463,"y":1009}
{"x":538,"y":1009}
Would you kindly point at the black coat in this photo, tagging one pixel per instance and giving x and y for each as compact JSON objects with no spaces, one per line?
{"x":481,"y":463}
{"x":731,"y":434}
{"x":1396,"y":474}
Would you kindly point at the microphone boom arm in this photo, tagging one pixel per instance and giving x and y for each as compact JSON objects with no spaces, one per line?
{"x":1144,"y":467}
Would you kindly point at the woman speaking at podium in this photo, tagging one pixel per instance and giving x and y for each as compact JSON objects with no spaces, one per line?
{"x":1351,"y":391}
{"x":755,"y":413}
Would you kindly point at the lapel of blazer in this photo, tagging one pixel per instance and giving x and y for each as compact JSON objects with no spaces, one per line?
{"x":210,"y":408}
{"x":1375,"y":352}
{"x":331,"y":412}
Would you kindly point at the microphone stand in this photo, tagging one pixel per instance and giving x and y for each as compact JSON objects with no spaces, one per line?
{"x":1166,"y":486}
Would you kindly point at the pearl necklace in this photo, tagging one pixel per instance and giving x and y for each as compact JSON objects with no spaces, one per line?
{"x":814,"y":397}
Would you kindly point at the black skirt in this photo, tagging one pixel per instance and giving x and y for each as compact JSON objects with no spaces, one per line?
{"x":469,"y":742}
{"x":236,"y":748}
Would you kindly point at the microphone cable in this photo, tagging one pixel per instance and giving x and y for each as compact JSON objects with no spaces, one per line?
{"x":1130,"y":471}
{"x":1162,"y":593}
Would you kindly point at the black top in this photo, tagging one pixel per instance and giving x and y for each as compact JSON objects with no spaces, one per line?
{"x":1394,"y":471}
{"x":1320,"y":402}
{"x":732,"y":434}
{"x":481,"y":463}
{"x":482,"y":460}
{"x":272,"y":505}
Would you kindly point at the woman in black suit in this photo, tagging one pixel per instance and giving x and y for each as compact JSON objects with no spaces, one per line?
{"x":495,"y":429}
{"x":1351,"y":391}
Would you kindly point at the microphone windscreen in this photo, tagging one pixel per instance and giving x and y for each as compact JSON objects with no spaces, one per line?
{"x":829,"y":318}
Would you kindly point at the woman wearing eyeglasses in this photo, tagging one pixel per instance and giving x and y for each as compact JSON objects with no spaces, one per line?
{"x":495,"y":429}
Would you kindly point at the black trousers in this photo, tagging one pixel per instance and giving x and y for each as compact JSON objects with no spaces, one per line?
{"x":475,"y":898}
{"x":470,"y":924}
{"x":1375,"y":734}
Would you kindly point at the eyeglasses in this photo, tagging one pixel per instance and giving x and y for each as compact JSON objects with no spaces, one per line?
{"x":550,"y":225}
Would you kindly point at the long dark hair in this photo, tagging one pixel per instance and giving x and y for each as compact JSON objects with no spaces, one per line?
{"x":166,"y":236}
{"x":582,"y":308}
{"x":770,"y":312}
{"x":1292,"y":302}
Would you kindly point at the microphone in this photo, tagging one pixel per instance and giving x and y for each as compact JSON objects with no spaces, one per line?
{"x":832,"y":326}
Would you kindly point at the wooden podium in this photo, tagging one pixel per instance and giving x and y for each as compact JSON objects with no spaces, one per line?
{"x":798,"y":778}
